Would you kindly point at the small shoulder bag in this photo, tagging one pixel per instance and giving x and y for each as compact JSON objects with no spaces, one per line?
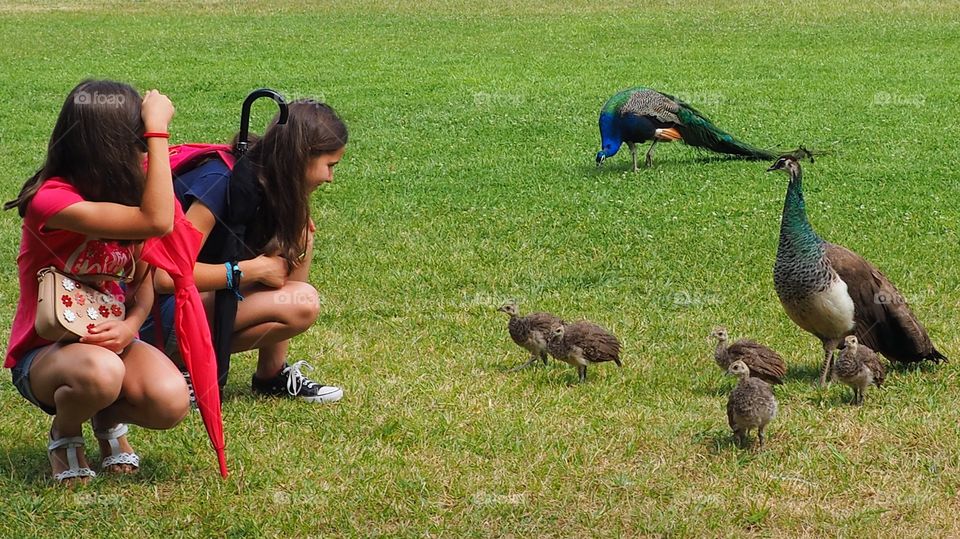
{"x":68,"y":308}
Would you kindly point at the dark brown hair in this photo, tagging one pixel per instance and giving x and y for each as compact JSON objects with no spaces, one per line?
{"x":96,"y":146}
{"x":280,"y":158}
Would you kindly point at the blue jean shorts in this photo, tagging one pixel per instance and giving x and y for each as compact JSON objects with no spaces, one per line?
{"x":21,"y":379}
{"x":148,"y":333}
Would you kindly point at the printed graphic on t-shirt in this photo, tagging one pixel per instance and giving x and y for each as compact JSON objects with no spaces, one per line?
{"x":98,"y":257}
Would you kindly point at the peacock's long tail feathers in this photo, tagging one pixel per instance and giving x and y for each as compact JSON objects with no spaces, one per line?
{"x":700,"y":132}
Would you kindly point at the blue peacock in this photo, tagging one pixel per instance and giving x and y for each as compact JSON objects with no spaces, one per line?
{"x":831,"y":291}
{"x":642,"y":114}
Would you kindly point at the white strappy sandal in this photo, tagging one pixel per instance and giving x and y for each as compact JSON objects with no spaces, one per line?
{"x":74,"y":471}
{"x":116,"y":456}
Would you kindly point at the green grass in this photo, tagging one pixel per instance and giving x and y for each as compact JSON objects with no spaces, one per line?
{"x":469,"y":179}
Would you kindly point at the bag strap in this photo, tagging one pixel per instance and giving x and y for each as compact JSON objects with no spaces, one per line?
{"x":184,"y":157}
{"x":91,"y":280}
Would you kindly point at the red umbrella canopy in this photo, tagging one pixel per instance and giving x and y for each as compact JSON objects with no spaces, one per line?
{"x":176,"y":253}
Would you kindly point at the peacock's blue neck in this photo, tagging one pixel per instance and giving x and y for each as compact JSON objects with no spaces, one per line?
{"x":610,"y":138}
{"x":797,"y":237}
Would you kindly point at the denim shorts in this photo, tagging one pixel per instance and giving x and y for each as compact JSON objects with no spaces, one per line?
{"x":148,"y":333}
{"x":21,"y":379}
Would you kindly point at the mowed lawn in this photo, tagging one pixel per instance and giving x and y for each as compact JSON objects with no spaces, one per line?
{"x":469,"y":180}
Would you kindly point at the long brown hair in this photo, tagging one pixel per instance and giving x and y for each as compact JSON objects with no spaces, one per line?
{"x":280,"y":158}
{"x":96,"y":146}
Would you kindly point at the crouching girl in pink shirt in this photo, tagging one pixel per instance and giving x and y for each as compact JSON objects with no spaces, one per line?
{"x":86,"y":212}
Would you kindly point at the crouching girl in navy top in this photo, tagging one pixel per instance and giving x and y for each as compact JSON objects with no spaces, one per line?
{"x":288,"y":163}
{"x":86,"y":212}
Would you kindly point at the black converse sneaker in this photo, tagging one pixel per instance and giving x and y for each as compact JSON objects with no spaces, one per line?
{"x":290,"y":382}
{"x":193,"y":395}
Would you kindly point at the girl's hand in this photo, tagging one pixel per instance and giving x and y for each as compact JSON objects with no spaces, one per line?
{"x":270,"y":271}
{"x":156,"y":111}
{"x":114,"y":335}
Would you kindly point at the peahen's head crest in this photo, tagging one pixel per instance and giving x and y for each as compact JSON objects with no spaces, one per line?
{"x":790,"y":162}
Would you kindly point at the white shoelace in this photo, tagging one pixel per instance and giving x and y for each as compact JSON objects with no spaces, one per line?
{"x":193,"y":395}
{"x":296,"y":380}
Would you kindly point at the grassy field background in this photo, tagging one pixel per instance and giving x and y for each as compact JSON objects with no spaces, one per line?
{"x":469,"y":180}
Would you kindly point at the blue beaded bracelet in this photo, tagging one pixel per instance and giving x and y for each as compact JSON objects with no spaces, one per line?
{"x":233,"y":278}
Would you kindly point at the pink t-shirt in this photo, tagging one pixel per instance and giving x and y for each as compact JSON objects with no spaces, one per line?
{"x":68,"y":251}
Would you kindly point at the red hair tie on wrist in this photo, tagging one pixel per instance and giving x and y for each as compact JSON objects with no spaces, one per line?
{"x":156,"y":134}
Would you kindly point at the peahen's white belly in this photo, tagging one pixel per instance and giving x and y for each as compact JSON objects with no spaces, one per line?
{"x":827,"y":313}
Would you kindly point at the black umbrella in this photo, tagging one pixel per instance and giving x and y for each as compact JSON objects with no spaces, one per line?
{"x":245,"y":115}
{"x":244,"y":206}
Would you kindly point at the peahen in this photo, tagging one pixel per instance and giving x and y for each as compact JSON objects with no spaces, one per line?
{"x":642,"y":114}
{"x":832,"y":292}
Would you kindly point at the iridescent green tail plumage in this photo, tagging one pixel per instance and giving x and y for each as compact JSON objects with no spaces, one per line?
{"x":700,"y":132}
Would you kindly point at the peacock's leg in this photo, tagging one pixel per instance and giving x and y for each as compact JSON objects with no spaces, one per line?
{"x":633,"y":154}
{"x":582,"y":372}
{"x":543,"y":356}
{"x":650,"y":153}
{"x":533,"y":359}
{"x":760,"y":436}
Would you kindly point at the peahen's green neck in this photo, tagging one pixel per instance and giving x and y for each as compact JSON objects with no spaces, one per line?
{"x":796,"y":234}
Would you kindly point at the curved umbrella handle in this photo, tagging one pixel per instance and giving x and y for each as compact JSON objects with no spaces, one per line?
{"x":245,"y":114}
